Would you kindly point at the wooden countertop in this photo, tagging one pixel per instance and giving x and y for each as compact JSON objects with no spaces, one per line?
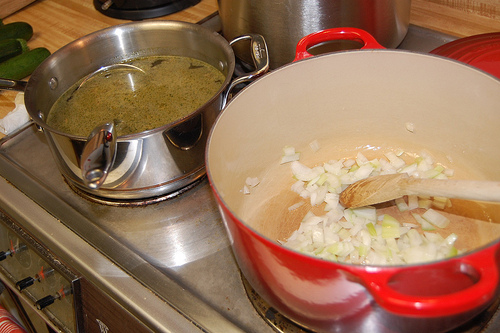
{"x":460,"y":18}
{"x":58,"y":22}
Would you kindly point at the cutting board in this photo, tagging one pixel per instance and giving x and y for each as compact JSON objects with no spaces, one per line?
{"x":460,"y":18}
{"x":8,"y":7}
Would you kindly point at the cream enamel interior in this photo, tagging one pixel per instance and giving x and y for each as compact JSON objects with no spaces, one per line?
{"x":352,"y":101}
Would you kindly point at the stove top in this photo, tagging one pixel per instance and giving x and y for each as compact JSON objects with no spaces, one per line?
{"x":177,"y":249}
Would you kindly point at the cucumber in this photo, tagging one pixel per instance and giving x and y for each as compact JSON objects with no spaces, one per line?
{"x":23,"y":65}
{"x":12,"y":47}
{"x":16,"y":30}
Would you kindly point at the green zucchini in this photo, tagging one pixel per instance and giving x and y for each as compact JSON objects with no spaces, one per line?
{"x":16,"y":30}
{"x":12,"y":47}
{"x":24,"y":64}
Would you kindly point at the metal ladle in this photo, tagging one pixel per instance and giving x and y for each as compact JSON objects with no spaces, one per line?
{"x":107,"y":69}
{"x":98,"y":154}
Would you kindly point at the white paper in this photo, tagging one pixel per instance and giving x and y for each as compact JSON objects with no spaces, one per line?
{"x":16,"y":118}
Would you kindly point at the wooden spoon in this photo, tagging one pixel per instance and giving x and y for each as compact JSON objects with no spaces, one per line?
{"x":384,"y":188}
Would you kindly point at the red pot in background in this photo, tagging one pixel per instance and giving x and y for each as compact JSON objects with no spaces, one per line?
{"x":357,"y":101}
{"x":481,"y":51}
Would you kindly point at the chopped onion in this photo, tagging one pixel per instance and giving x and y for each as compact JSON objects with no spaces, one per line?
{"x":424,"y":203}
{"x":402,"y":205}
{"x":314,"y":145}
{"x":302,"y":172}
{"x":361,"y":235}
{"x":390,"y":227}
{"x":410,"y":127}
{"x":295,"y":206}
{"x":396,"y":161}
{"x":441,"y":202}
{"x":289,"y":155}
{"x":412,"y":202}
{"x":290,"y":158}
{"x":246,"y":190}
{"x":252,"y":181}
{"x":435,"y":218}
{"x":427,"y":226}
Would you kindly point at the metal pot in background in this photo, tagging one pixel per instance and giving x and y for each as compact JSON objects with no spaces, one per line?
{"x":154,"y":162}
{"x":284,"y":22}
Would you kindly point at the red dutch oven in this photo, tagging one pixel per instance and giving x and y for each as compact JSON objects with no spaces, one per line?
{"x":355,"y":101}
{"x":481,"y":51}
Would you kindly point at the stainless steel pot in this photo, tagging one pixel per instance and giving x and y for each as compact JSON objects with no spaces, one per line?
{"x":284,"y":22}
{"x":150,"y":163}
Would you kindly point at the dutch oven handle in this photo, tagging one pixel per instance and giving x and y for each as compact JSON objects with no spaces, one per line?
{"x":327,"y":35}
{"x":260,"y":57}
{"x":481,"y":266}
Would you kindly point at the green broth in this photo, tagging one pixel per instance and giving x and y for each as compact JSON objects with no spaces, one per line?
{"x":170,"y":88}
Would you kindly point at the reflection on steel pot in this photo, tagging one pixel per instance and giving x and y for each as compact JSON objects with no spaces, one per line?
{"x":348,"y":102}
{"x":150,"y":163}
{"x":283,"y":23}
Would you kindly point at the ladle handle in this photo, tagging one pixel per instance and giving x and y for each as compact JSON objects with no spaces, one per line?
{"x":98,"y":155}
{"x":8,"y":84}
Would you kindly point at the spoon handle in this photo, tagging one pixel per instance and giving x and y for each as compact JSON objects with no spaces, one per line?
{"x":457,"y":189}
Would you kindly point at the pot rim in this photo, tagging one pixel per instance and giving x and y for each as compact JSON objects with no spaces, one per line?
{"x":421,"y":53}
{"x":130,"y":26}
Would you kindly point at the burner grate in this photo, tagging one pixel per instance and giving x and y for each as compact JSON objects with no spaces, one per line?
{"x":281,"y":324}
{"x":136,"y":202}
{"x":140,"y":10}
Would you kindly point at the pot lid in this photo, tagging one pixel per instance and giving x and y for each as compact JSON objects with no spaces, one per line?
{"x":481,"y":51}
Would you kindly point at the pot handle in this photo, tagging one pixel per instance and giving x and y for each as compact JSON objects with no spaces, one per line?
{"x":8,"y":84}
{"x":260,"y":57}
{"x":368,"y":41}
{"x":98,"y":155}
{"x":481,"y":266}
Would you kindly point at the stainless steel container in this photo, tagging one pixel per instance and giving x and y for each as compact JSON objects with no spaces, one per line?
{"x":284,"y":22}
{"x":147,"y":164}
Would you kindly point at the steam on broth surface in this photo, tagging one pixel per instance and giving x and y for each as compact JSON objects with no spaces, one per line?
{"x":170,"y":88}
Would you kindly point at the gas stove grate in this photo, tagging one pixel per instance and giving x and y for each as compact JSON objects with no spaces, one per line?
{"x":140,"y":10}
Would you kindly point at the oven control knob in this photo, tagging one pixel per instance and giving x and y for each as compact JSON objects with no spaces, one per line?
{"x":25,"y":283}
{"x":44,"y":302}
{"x":4,"y":255}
